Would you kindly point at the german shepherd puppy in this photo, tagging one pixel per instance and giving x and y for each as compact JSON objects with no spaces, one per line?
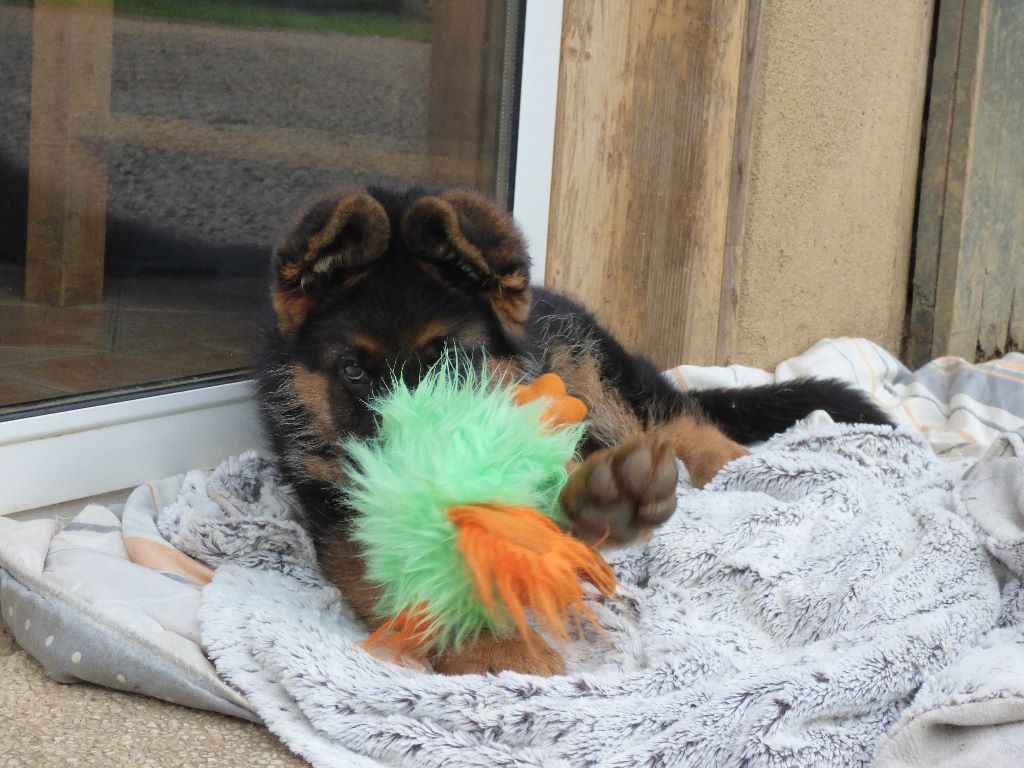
{"x":376,"y":281}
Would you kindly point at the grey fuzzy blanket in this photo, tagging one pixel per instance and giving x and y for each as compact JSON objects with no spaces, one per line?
{"x":786,"y":615}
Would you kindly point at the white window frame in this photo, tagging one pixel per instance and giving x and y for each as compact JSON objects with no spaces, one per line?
{"x":535,"y":148}
{"x":91,"y":450}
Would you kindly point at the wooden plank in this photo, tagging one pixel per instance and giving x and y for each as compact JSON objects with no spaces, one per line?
{"x":740,"y":176}
{"x":934,"y":179}
{"x":957,"y":276}
{"x":72,"y":52}
{"x":968,"y":290}
{"x":492,"y":178}
{"x":950,"y":269}
{"x":643,"y":157}
{"x":993,"y":232}
{"x":460,"y":92}
{"x":261,"y":143}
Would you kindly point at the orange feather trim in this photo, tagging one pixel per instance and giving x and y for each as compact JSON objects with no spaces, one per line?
{"x":562,"y":408}
{"x":410,"y":632}
{"x":522,"y":561}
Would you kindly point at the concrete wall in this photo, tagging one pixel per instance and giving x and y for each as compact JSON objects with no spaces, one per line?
{"x":834,"y":157}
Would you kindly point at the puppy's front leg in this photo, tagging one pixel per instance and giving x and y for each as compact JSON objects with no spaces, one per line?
{"x":618,"y":494}
{"x":490,"y":655}
{"x":343,"y":566}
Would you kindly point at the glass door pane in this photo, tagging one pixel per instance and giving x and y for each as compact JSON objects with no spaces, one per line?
{"x":152,"y":151}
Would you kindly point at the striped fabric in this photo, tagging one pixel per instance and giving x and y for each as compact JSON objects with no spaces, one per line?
{"x":143,"y":541}
{"x":962,"y":408}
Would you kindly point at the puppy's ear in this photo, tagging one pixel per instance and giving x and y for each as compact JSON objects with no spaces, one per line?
{"x":333,"y":243}
{"x":472,"y":245}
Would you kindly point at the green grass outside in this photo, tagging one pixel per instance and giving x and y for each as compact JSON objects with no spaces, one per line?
{"x":263,"y":16}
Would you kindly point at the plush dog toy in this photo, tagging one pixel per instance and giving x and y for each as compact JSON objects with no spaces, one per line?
{"x":458,"y":513}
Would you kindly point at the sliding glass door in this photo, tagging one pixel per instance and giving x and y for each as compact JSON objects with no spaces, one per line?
{"x":152,"y":151}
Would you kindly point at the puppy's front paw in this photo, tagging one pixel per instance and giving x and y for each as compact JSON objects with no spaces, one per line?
{"x":490,"y":655}
{"x":621,"y":492}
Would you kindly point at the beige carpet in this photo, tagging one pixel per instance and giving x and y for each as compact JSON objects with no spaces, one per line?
{"x":44,"y":724}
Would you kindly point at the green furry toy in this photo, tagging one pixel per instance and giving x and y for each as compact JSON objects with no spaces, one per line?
{"x":458,"y":514}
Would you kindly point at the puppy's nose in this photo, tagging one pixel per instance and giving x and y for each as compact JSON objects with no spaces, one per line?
{"x":368,"y":424}
{"x":413,"y":372}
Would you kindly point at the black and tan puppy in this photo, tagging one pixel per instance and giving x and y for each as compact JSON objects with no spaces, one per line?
{"x":370,"y":282}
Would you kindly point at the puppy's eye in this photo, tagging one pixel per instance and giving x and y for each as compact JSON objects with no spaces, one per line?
{"x":432,"y":350}
{"x":354,"y":371}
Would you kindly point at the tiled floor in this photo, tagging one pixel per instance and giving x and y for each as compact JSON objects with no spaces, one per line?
{"x":148,"y":329}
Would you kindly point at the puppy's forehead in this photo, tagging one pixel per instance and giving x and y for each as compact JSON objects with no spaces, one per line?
{"x":389,"y":343}
{"x":434,"y":330}
{"x":393,"y":318}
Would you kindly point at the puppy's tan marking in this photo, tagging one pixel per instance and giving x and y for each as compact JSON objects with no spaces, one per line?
{"x":291,"y":309}
{"x":353,"y":280}
{"x":503,"y":371}
{"x":512,"y":310}
{"x":472,"y":334}
{"x":311,"y":389}
{"x":490,"y":655}
{"x":429,"y":269}
{"x":610,"y":419}
{"x":324,"y":470}
{"x":436,"y":329}
{"x":701,"y":447}
{"x":368,"y":343}
{"x":516,"y":282}
{"x":290,"y":273}
{"x":343,"y":566}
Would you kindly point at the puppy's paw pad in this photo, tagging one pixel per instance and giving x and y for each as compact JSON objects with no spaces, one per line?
{"x":618,"y":493}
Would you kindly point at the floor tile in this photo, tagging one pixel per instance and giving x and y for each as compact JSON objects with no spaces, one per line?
{"x":12,"y":284}
{"x":35,"y":325}
{"x":224,"y":294}
{"x":15,"y":356}
{"x":141,"y":330}
{"x":94,"y":372}
{"x":15,"y":391}
{"x":163,"y":329}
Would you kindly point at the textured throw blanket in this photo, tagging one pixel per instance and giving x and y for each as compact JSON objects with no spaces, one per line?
{"x":107,"y":599}
{"x":787,"y":615}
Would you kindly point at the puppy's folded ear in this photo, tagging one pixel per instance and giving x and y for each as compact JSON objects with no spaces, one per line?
{"x":332,"y":245}
{"x":474,"y":246}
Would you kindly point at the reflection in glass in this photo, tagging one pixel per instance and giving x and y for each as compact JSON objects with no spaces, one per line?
{"x":151,"y":151}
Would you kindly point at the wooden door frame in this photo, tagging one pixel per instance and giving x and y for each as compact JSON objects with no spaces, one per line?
{"x":651,"y":169}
